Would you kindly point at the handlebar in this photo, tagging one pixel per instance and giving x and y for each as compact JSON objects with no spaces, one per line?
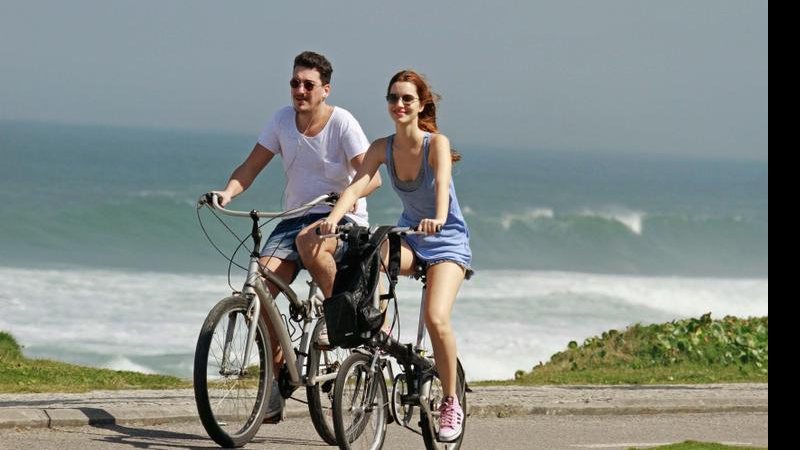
{"x":405,"y":231}
{"x":341,"y":232}
{"x":211,"y":200}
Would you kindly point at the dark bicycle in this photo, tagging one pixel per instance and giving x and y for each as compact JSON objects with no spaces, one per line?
{"x":362,"y":406}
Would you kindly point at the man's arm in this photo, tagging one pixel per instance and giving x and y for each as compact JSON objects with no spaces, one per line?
{"x":243,"y":176}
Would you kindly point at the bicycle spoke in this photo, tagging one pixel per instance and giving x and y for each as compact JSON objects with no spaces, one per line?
{"x":229,"y":389}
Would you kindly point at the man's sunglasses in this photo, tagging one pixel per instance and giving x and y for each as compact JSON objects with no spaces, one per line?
{"x":407,"y":99}
{"x":308,"y":85}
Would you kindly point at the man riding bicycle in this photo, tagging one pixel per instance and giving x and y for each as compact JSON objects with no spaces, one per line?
{"x":322,"y":146}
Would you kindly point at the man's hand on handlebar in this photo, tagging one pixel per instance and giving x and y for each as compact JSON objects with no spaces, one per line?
{"x":208,"y":199}
{"x":223,"y":197}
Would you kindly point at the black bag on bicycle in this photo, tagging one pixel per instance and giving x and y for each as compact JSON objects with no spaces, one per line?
{"x":351,"y":313}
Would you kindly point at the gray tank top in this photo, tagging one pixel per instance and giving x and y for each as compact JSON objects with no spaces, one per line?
{"x":419,"y":202}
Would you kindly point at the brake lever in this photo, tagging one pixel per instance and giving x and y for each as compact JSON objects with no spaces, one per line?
{"x":205,"y":199}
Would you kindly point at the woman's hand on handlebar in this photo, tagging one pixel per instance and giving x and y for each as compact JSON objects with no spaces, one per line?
{"x":327,"y":227}
{"x":430,"y":226}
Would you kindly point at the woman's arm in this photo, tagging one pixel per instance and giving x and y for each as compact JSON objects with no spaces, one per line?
{"x":440,"y":161}
{"x":374,"y":183}
{"x":361,"y":182}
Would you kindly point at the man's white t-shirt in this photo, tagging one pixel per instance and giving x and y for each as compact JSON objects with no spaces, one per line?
{"x":317,"y":165}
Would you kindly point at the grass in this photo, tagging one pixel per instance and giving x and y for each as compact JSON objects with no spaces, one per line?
{"x":694,"y":445}
{"x":20,"y":374}
{"x":702,"y":350}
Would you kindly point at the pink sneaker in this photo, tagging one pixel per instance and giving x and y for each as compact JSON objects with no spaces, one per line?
{"x":451,"y":420}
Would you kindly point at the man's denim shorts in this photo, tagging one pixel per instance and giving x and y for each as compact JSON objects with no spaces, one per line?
{"x":280,"y":243}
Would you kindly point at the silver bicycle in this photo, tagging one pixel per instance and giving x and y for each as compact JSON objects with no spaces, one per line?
{"x":233,"y":358}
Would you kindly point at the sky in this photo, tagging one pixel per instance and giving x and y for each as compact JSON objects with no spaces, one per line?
{"x":678,"y":77}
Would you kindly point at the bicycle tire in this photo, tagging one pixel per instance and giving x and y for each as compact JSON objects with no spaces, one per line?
{"x":431,"y":439}
{"x":231,"y":405}
{"x":360,"y":404}
{"x":320,"y":395}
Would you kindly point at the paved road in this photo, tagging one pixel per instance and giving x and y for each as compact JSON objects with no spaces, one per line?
{"x":155,"y":407}
{"x":506,"y":418}
{"x":534,"y":432}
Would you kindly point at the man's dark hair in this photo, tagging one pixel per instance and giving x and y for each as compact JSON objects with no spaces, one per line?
{"x":315,"y":61}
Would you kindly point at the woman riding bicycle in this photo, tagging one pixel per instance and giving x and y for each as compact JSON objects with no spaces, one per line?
{"x":419,"y":162}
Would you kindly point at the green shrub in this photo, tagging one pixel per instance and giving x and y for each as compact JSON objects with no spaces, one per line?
{"x":689,"y":350}
{"x":9,"y":349}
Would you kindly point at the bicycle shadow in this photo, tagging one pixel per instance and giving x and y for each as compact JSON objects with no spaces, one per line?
{"x":137,"y":437}
{"x":156,"y":438}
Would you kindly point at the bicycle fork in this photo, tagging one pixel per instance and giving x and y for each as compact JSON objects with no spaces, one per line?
{"x":375,"y":367}
{"x":253,"y":312}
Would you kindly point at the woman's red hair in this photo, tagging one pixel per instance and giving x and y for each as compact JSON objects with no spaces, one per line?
{"x":427,"y":99}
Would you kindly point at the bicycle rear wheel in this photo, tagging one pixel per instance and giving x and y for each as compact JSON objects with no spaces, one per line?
{"x":430,"y":422}
{"x":359,"y":404}
{"x":323,"y":362}
{"x":230,"y":392}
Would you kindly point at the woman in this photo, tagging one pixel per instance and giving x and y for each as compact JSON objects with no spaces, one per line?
{"x":419,"y":161}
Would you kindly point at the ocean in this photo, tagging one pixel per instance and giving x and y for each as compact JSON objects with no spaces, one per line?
{"x":103,"y":261}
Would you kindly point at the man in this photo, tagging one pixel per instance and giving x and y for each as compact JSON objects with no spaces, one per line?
{"x":321,"y":146}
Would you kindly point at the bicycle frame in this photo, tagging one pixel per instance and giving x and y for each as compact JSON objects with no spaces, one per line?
{"x":294,"y":363}
{"x":260,"y":298}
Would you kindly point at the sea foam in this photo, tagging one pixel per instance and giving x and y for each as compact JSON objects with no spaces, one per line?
{"x":503,"y":320}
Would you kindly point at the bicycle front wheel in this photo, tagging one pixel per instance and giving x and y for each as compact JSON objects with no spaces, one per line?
{"x":359,"y":404}
{"x":430,"y":422}
{"x":323,"y":364}
{"x":230,"y":391}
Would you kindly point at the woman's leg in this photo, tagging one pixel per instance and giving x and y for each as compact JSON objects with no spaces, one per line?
{"x":407,"y":261}
{"x":407,"y":258}
{"x":444,"y":281}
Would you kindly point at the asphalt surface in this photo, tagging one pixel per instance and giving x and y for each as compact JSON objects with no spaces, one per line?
{"x":153,"y":407}
{"x":536,"y":432}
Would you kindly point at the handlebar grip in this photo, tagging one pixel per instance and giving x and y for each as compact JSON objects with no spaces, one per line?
{"x":319,"y":232}
{"x":417,"y":228}
{"x":209,"y":199}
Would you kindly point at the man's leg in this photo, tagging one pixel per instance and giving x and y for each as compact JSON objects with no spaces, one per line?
{"x":317,"y":255}
{"x":286,"y":270}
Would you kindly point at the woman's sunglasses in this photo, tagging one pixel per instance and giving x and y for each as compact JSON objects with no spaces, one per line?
{"x":308,"y":85}
{"x":407,"y":99}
